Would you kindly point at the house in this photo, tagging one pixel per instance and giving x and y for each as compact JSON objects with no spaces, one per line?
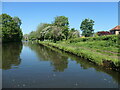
{"x":115,"y":30}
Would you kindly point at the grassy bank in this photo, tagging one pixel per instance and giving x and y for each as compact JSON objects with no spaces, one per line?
{"x":103,"y":51}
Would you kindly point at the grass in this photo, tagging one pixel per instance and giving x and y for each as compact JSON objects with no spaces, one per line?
{"x":95,"y":49}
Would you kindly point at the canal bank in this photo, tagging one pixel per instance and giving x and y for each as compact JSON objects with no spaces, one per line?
{"x":105,"y":61}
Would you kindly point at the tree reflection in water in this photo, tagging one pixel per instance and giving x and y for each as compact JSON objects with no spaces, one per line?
{"x":11,"y":55}
{"x":59,"y":60}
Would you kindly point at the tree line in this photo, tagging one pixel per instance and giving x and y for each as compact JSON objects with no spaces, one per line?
{"x":55,"y":31}
{"x":59,"y":30}
{"x":10,"y":28}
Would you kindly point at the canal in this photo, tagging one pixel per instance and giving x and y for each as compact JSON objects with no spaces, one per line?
{"x":29,"y":65}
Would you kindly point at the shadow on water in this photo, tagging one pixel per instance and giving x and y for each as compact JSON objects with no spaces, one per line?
{"x":11,"y":55}
{"x":59,"y":60}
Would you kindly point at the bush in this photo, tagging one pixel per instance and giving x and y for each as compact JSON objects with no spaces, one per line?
{"x":113,"y":38}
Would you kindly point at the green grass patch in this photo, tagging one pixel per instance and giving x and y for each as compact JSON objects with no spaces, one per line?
{"x":95,"y":49}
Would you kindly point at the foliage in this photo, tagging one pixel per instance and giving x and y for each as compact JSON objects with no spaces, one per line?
{"x":87,"y":27}
{"x":11,"y":30}
{"x":96,"y":50}
{"x":65,"y":31}
{"x":25,"y":37}
{"x":73,"y":33}
{"x":56,"y":31}
{"x":95,"y":35}
{"x":17,"y":20}
{"x":40,"y":32}
{"x":113,"y":38}
{"x":32,"y":35}
{"x":61,"y":21}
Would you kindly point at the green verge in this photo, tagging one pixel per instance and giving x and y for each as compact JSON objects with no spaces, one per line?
{"x":95,"y":50}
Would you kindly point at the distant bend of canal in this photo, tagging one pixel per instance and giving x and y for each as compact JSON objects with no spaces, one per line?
{"x":29,"y":65}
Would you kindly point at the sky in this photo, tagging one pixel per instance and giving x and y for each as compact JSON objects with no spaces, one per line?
{"x":105,"y":14}
{"x":60,"y":0}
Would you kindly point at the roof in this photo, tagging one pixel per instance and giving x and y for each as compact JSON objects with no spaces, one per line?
{"x":102,"y":31}
{"x":116,"y":28}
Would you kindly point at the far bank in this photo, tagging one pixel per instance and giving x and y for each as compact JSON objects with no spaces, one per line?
{"x":103,"y":50}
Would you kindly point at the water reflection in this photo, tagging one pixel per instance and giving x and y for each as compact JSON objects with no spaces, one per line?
{"x":60,"y":61}
{"x":49,"y":67}
{"x":11,"y":55}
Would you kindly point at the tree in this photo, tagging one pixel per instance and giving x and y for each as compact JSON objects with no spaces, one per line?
{"x":32,"y":35}
{"x":72,"y":29}
{"x":62,"y":21}
{"x":73,"y":33}
{"x":11,"y":30}
{"x":46,"y":32}
{"x":57,"y":33}
{"x":17,"y":20}
{"x":87,"y":27}
{"x":65,"y":31}
{"x":53,"y":33}
{"x":40,"y":30}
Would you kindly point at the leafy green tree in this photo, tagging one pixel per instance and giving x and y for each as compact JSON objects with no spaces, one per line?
{"x":73,"y":33}
{"x":32,"y":35}
{"x":62,"y":21}
{"x":65,"y":31}
{"x":11,"y":30}
{"x":40,"y":32}
{"x":87,"y":27}
{"x":49,"y":32}
{"x":57,"y":33}
{"x":53,"y":33}
{"x":72,"y":29}
{"x":46,"y":32}
{"x":17,"y":20}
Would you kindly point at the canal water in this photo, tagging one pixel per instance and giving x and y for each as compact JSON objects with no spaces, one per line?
{"x":29,"y":65}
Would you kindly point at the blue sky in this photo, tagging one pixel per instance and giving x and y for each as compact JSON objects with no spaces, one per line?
{"x":105,"y":14}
